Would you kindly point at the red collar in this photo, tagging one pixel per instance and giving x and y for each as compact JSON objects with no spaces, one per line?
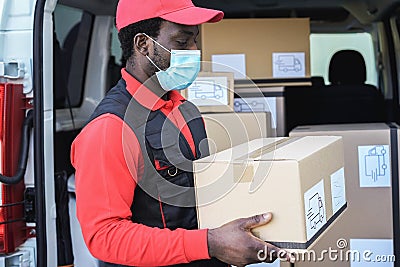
{"x":146,"y":97}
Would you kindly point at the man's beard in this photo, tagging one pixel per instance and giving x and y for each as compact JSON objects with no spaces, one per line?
{"x":159,"y":60}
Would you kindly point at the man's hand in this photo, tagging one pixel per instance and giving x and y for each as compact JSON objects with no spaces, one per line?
{"x":234,"y":243}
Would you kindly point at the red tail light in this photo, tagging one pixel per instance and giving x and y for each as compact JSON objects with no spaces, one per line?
{"x":12,"y":112}
{"x":2,"y":89}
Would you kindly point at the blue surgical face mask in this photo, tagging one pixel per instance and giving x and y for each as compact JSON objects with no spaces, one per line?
{"x":182,"y":71}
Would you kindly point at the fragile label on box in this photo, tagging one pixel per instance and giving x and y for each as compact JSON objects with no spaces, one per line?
{"x":315,"y":211}
{"x":374,"y":166}
{"x":338,"y":191}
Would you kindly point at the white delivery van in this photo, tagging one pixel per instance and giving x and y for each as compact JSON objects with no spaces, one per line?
{"x":59,"y":58}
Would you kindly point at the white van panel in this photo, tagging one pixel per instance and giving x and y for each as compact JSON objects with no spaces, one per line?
{"x":48,"y":63}
{"x":49,"y":189}
{"x":82,"y":256}
{"x":17,"y":47}
{"x":17,"y":15}
{"x":16,"y":35}
{"x":49,"y":134}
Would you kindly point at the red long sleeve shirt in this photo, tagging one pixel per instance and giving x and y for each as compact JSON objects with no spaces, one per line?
{"x":105,"y":184}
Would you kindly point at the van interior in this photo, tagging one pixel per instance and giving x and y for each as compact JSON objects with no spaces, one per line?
{"x":354,"y":78}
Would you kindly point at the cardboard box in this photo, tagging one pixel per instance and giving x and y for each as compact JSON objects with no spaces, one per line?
{"x":291,"y":177}
{"x":225,"y":130}
{"x":369,"y":171}
{"x":257,"y":40}
{"x":212,"y":92}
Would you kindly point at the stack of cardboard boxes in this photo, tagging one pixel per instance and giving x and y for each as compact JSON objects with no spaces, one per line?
{"x":334,"y":196}
{"x":366,"y":233}
{"x":227,"y":56}
{"x":333,"y":190}
{"x":272,"y":52}
{"x":213,"y":94}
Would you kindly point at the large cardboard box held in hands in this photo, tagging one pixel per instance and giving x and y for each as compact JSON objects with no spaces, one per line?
{"x":369,"y":217}
{"x":225,"y":130}
{"x":257,"y":39}
{"x":290,"y":177}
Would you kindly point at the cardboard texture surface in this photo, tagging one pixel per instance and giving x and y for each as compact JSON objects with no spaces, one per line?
{"x":272,"y":174}
{"x":267,"y":36}
{"x":225,"y":130}
{"x":369,"y":211}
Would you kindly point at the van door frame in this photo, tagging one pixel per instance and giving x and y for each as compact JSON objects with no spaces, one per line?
{"x":41,"y":257}
{"x":43,"y":134}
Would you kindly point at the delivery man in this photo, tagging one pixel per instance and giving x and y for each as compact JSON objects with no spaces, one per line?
{"x":134,"y":184}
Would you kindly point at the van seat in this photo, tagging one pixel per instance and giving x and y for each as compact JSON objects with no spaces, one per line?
{"x":348,"y":99}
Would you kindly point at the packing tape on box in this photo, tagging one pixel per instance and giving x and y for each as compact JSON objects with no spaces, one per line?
{"x":268,"y":148}
{"x":244,"y":167}
{"x":243,"y":172}
{"x":262,"y":150}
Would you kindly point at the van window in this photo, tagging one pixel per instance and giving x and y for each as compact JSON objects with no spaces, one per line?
{"x":116,"y":51}
{"x":72,"y":34}
{"x":115,"y":63}
{"x":323,"y":46}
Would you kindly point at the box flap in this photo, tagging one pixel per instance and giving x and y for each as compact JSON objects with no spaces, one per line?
{"x":341,"y":127}
{"x":273,"y":149}
{"x":240,"y":150}
{"x":298,"y":149}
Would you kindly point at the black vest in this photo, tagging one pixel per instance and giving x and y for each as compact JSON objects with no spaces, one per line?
{"x":164,"y":196}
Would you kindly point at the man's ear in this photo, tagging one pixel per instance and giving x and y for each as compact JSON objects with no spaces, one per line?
{"x":141,"y":44}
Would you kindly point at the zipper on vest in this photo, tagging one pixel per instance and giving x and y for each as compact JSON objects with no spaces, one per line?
{"x":162,"y":212}
{"x":182,"y":136}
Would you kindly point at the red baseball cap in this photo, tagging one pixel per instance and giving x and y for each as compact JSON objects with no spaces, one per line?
{"x":177,"y":11}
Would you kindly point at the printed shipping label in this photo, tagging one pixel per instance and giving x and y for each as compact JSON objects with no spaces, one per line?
{"x":371,"y":252}
{"x":235,"y":63}
{"x":338,"y":190}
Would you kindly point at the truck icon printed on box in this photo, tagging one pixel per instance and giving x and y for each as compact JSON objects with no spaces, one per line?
{"x":288,"y":63}
{"x":375,"y":164}
{"x":252,"y":106}
{"x":315,"y":213}
{"x":207,"y":89}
